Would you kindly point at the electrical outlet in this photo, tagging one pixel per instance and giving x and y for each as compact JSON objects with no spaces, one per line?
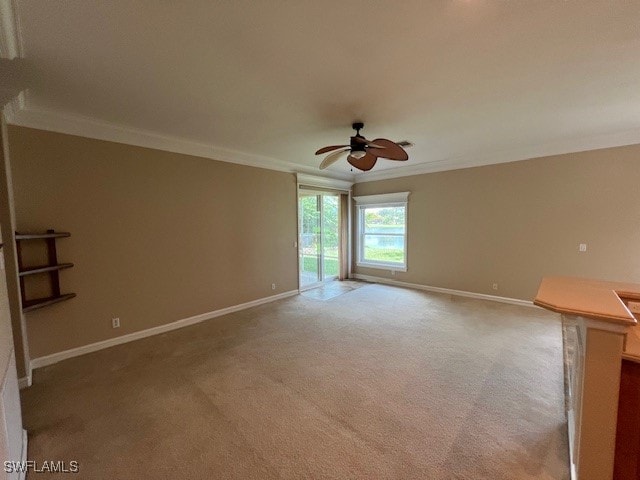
{"x":582,"y":247}
{"x":273,"y":286}
{"x":495,"y":286}
{"x":115,"y":323}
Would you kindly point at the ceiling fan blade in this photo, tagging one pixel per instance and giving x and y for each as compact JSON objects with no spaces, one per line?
{"x":366,"y":142}
{"x":329,"y":148}
{"x":365,"y":163}
{"x":390,"y":150}
{"x":333,"y":158}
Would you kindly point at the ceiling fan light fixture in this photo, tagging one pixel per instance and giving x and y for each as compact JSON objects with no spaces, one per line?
{"x":362,"y":153}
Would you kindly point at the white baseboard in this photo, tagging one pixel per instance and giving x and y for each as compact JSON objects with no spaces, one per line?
{"x":461,"y":293}
{"x":24,"y":382}
{"x":94,"y":347}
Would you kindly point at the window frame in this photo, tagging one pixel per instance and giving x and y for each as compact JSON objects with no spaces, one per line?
{"x":380,"y":201}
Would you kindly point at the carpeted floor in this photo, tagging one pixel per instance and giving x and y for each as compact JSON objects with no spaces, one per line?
{"x":378,"y":383}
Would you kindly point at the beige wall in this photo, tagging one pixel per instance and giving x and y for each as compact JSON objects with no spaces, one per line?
{"x":514,"y":223}
{"x":156,"y":236}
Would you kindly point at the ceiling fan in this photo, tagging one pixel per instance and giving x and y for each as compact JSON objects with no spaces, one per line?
{"x":363,"y":154}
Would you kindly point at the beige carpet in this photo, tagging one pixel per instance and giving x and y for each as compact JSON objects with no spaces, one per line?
{"x":377,"y":383}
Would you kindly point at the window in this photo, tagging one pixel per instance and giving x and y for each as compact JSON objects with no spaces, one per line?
{"x":382,"y":231}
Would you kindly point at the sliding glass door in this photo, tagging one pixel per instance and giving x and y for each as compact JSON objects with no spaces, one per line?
{"x":319,"y":242}
{"x":310,"y":240}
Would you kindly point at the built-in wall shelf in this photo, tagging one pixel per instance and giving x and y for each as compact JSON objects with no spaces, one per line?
{"x":51,"y":268}
{"x":37,"y":236}
{"x":36,"y":303}
{"x":44,"y":269}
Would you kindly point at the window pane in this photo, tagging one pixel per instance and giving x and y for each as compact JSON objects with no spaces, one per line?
{"x":384,"y":248}
{"x":309,"y":240}
{"x":383,"y":236}
{"x":330,"y":233}
{"x":384,"y":220}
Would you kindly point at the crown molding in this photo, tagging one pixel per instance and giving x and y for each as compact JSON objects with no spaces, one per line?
{"x":323,"y":182}
{"x":18,"y":112}
{"x":10,"y":32}
{"x":22,"y":115}
{"x":573,"y":145}
{"x":396,"y":197}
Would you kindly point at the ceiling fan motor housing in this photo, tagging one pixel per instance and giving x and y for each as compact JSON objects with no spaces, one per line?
{"x":357,"y":146}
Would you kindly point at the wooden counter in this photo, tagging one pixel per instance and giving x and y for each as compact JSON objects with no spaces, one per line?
{"x":594,"y":299}
{"x":632,"y":345}
{"x":599,"y":330}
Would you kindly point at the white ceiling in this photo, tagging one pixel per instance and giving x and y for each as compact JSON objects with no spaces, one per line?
{"x":468,"y":81}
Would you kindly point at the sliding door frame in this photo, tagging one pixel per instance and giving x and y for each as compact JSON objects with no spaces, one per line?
{"x":328,"y":186}
{"x":320,"y":255}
